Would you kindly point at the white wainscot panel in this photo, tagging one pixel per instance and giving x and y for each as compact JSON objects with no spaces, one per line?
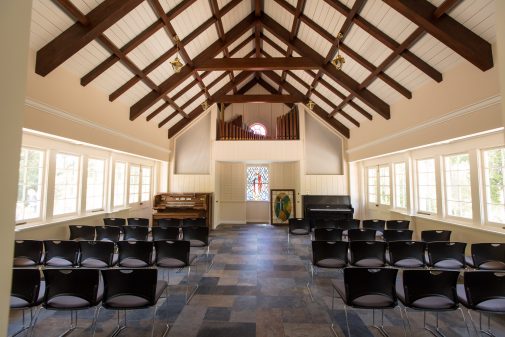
{"x":191,"y":183}
{"x":325,"y":184}
{"x":248,"y":151}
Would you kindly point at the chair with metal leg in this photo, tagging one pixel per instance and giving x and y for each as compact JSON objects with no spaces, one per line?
{"x":108,"y":233}
{"x":72,"y":290}
{"x":430,"y":290}
{"x":366,"y":288}
{"x":165,"y":233}
{"x":484,"y":292}
{"x":370,"y":254}
{"x":131,"y":289}
{"x":347,"y":224}
{"x":135,"y":254}
{"x":78,"y":232}
{"x":194,"y":222}
{"x":115,"y":222}
{"x":169,"y":222}
{"x":27,"y":292}
{"x":140,"y":233}
{"x":28,"y":253}
{"x":96,"y":254}
{"x":435,"y":235}
{"x":360,"y":234}
{"x":142,"y":222}
{"x":397,"y":224}
{"x":328,"y":234}
{"x":325,"y":223}
{"x":446,"y":255}
{"x":406,"y":254}
{"x":487,"y":256}
{"x":61,"y":254}
{"x":398,"y":235}
{"x":378,"y":225}
{"x":198,"y":237}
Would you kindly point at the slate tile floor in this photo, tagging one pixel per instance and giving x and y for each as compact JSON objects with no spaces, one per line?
{"x":256,"y":287}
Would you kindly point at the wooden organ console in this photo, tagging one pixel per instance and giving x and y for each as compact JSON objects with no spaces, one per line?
{"x":183,"y":206}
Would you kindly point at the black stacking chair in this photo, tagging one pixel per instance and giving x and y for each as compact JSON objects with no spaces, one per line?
{"x":406,"y":254}
{"x":135,"y":254}
{"x":130,"y":289}
{"x":96,"y":254}
{"x":144,"y":222}
{"x":108,"y":233}
{"x":198,"y":237}
{"x":61,"y":254}
{"x":195,"y":222}
{"x":347,"y":224}
{"x":27,"y":292}
{"x":361,"y":234}
{"x":446,"y":255}
{"x":169,"y":223}
{"x":165,"y":233}
{"x":298,"y":226}
{"x":435,"y":235}
{"x":398,"y":235}
{"x":430,"y":290}
{"x":28,"y":253}
{"x":370,"y":254}
{"x":484,"y":292}
{"x":72,"y":290}
{"x":78,"y":232}
{"x":116,"y":222}
{"x":328,"y":254}
{"x":135,"y":233}
{"x":487,"y":256}
{"x":365,"y":288}
{"x":328,"y":234}
{"x":378,"y":225}
{"x":325,"y":223}
{"x":175,"y":254}
{"x":397,"y":224}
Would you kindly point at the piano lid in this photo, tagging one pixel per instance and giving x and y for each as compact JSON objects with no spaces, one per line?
{"x":320,"y":200}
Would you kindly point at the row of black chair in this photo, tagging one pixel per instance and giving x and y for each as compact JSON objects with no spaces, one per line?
{"x":80,"y":289}
{"x":422,"y":290}
{"x":377,"y":224}
{"x":165,"y":222}
{"x":336,"y":234}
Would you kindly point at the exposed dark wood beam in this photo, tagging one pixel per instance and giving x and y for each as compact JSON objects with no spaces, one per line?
{"x":445,"y":7}
{"x":68,"y":7}
{"x":258,"y":99}
{"x":257,"y":28}
{"x":340,"y":77}
{"x":255,"y":64}
{"x":78,"y":35}
{"x":173,"y":81}
{"x":453,"y":34}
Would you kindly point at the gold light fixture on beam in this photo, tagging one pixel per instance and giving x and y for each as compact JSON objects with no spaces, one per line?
{"x":310,"y":105}
{"x":339,"y":60}
{"x":176,"y":63}
{"x":205,"y":105}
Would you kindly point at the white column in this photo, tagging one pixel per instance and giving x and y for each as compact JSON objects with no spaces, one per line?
{"x":14,"y":35}
{"x":499,"y":55}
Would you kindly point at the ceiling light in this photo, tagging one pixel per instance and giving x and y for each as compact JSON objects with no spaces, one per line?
{"x":311,"y":105}
{"x":205,"y":105}
{"x":176,"y":63}
{"x":339,"y":60}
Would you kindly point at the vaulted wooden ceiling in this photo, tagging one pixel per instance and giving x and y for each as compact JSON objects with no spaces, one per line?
{"x":391,"y":47}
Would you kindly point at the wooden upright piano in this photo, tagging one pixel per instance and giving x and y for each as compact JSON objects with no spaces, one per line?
{"x":327,"y":207}
{"x":183,"y":206}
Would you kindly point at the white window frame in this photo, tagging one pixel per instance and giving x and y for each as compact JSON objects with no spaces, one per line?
{"x":85,"y":185}
{"x":406,"y":173}
{"x":438,"y":186}
{"x":43,"y":196}
{"x":379,"y":186}
{"x":78,"y":206}
{"x":125,"y":185}
{"x":368,"y":169}
{"x":483,"y":194}
{"x":131,"y":203}
{"x":151,"y":169}
{"x":378,"y":203}
{"x":444,"y":190}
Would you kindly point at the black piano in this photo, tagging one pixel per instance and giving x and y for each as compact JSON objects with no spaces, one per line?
{"x":327,"y":207}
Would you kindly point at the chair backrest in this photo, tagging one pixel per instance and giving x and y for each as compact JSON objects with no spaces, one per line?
{"x":370,"y":281}
{"x":168,"y":249}
{"x":28,"y":253}
{"x":197,"y":236}
{"x":489,"y":255}
{"x":169,"y":222}
{"x":422,"y":283}
{"x":130,"y":282}
{"x":376,"y":224}
{"x":108,"y":233}
{"x":137,"y":250}
{"x":81,"y":283}
{"x":78,"y":232}
{"x":328,"y":234}
{"x":397,"y":224}
{"x":64,"y":251}
{"x":26,"y":285}
{"x":195,"y":222}
{"x":117,"y":222}
{"x":138,"y":222}
{"x":483,"y":285}
{"x":347,"y":224}
{"x":355,"y":234}
{"x":402,"y":250}
{"x":362,"y":250}
{"x":322,"y":250}
{"x":445,"y":250}
{"x":299,"y":226}
{"x":398,"y":235}
{"x":96,"y":250}
{"x":325,"y":223}
{"x":135,"y":233}
{"x":435,"y":235}
{"x":165,"y":233}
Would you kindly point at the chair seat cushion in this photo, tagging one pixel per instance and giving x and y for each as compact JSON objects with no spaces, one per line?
{"x":131,"y":301}
{"x":133,"y":263}
{"x":449,"y":264}
{"x":18,"y":303}
{"x":366,"y":301}
{"x":93,"y":263}
{"x":23,"y":262}
{"x":299,"y":231}
{"x":170,"y":262}
{"x":409,"y":263}
{"x":331,"y":263}
{"x":67,"y":302}
{"x":493,"y":305}
{"x":58,"y":262}
{"x":428,"y":302}
{"x":372,"y":262}
{"x":492,"y":265}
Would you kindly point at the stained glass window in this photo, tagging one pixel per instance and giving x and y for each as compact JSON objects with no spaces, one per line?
{"x":258,"y":188}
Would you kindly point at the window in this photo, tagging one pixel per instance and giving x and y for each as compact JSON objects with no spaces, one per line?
{"x":427,"y":186}
{"x":400,"y":185}
{"x":95,"y":184}
{"x":384,"y":186}
{"x":258,"y":129}
{"x":257,"y":184}
{"x":146,"y":184}
{"x":458,"y":191}
{"x":372,"y":185}
{"x":494,"y":169}
{"x":30,"y":184}
{"x":134,"y":184}
{"x":119,"y":184}
{"x":66,"y":184}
